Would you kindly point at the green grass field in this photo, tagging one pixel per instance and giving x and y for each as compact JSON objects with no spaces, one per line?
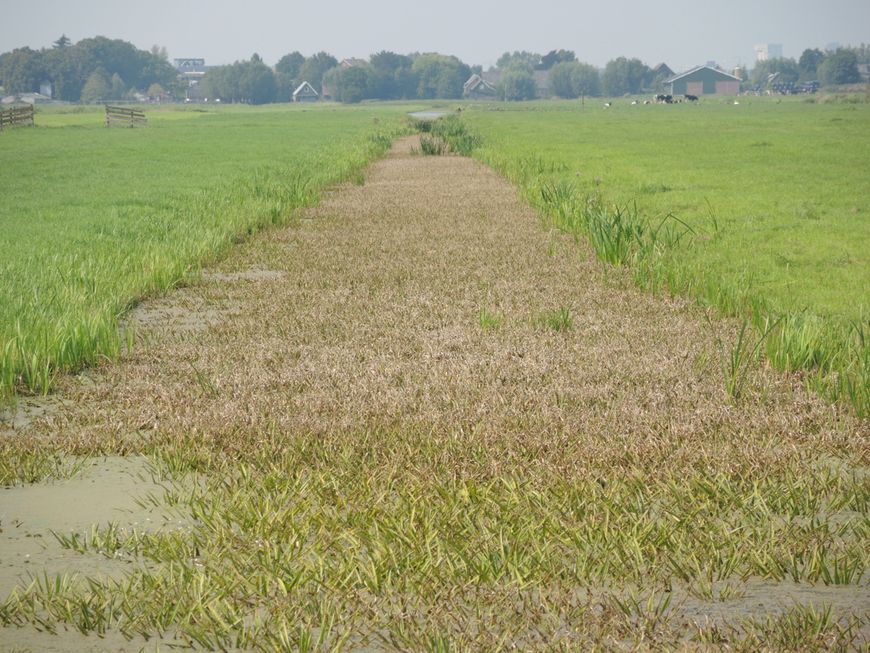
{"x":768,"y":200}
{"x":93,"y":219}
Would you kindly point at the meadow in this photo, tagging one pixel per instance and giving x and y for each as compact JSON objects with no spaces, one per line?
{"x":93,"y":219}
{"x":756,"y":208}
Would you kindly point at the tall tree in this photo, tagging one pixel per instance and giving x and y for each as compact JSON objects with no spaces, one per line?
{"x":624,"y":76}
{"x":222,"y":82}
{"x":555,"y":56}
{"x":524,"y":59}
{"x":287,"y":75}
{"x":284,"y":87}
{"x":62,"y":42}
{"x":98,"y":87}
{"x":439,"y":76}
{"x":160,"y":52}
{"x":561,"y":81}
{"x":315,"y":67}
{"x":810,"y":61}
{"x":22,"y":70}
{"x":586,"y":80}
{"x":256,"y":82}
{"x":115,"y":56}
{"x":119,"y":89}
{"x":290,"y":64}
{"x":354,"y":83}
{"x":391,"y":76}
{"x":251,"y":81}
{"x":68,"y":70}
{"x":840,"y":67}
{"x":154,"y":69}
{"x":571,"y":79}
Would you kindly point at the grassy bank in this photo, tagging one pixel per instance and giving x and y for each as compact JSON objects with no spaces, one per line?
{"x":92,"y":219}
{"x":758,"y":209}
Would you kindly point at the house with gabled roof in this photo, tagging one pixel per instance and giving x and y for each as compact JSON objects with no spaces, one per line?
{"x":478,"y":87}
{"x":703,"y":80}
{"x":663,"y":71}
{"x":352,"y":62}
{"x":305,"y":93}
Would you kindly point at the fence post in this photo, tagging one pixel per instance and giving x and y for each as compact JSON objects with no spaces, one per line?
{"x":17,"y":117}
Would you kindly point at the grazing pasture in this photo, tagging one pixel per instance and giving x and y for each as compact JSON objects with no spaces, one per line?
{"x":93,"y":219}
{"x":758,"y":209}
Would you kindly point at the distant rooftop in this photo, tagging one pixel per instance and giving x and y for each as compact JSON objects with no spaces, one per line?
{"x":189,"y":65}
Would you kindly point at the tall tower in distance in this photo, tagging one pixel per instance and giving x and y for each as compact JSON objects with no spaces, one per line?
{"x":767,"y":51}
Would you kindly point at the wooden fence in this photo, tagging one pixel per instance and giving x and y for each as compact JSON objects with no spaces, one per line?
{"x":124,"y":117}
{"x":16,"y":117}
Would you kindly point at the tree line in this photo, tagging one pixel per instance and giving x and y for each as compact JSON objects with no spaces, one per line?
{"x":385,"y":76}
{"x":99,"y":69}
{"x":94,"y":69}
{"x":828,"y":68}
{"x":391,"y":76}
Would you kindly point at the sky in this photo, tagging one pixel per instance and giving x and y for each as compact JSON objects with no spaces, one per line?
{"x":681,"y":33}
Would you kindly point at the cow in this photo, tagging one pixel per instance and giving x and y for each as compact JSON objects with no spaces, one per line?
{"x":691,"y":98}
{"x":664,"y":99}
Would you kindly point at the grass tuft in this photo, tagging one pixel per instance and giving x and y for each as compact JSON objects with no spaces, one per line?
{"x":556,"y":320}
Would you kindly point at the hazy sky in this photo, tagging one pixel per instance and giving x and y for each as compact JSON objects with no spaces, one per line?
{"x":681,"y":33}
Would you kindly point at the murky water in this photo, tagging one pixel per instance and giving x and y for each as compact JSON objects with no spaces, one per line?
{"x":759,"y":598}
{"x":30,"y":640}
{"x":26,"y":410}
{"x":253,"y":274}
{"x":431,"y":114}
{"x":105,"y":491}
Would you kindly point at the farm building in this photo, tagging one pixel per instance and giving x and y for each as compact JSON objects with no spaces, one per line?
{"x":353,"y":62}
{"x":191,"y":72}
{"x":703,"y":80}
{"x":305,"y":93}
{"x":26,"y":98}
{"x":663,"y":70}
{"x":477,"y":87}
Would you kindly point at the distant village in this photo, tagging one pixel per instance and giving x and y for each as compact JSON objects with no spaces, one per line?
{"x":698,"y":81}
{"x":386,"y":75}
